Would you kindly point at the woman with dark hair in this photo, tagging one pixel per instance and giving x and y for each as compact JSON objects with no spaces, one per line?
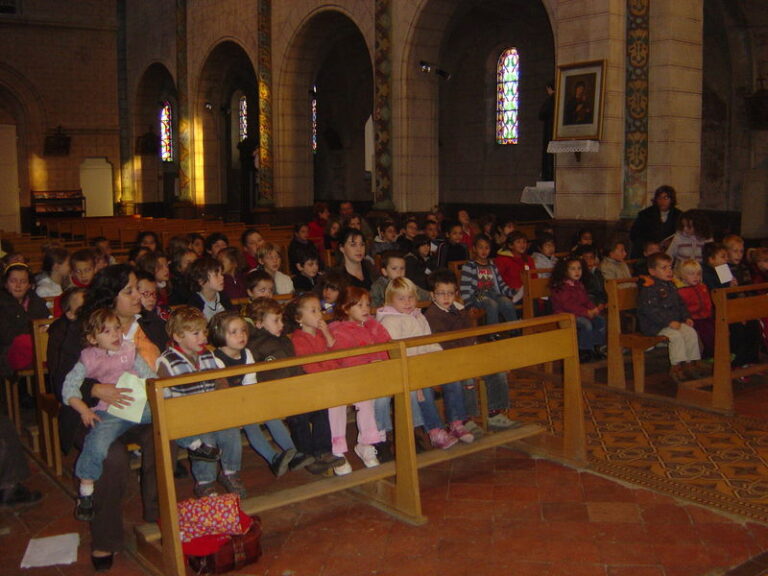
{"x":657,"y":222}
{"x":356,"y":270}
{"x":114,"y":287}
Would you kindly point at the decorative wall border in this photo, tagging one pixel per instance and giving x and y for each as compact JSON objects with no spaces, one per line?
{"x":636,"y":107}
{"x":182,"y":96}
{"x":382,"y":113}
{"x":266,"y":164}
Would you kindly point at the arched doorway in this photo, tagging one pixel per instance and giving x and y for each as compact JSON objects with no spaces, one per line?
{"x":155,"y":171}
{"x":228,"y":102}
{"x":326,"y":100}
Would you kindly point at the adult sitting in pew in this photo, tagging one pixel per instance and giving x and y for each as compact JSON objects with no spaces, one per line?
{"x":656,"y":222}
{"x":114,"y":287}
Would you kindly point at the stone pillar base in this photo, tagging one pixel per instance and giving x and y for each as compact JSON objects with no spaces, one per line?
{"x":754,"y":220}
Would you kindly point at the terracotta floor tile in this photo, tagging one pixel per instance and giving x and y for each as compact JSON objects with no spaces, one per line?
{"x":516,"y":493}
{"x":627,"y":553}
{"x":565,"y":511}
{"x":615,"y":512}
{"x":638,"y":570}
{"x":461,"y":491}
{"x":665,"y":514}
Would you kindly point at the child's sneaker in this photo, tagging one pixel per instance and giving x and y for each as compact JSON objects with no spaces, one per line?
{"x":459,"y":431}
{"x":300,"y":461}
{"x":281,"y":461}
{"x":233,"y":484}
{"x":441,"y":439}
{"x":367,"y":454}
{"x":205,"y":453}
{"x":84,"y":508}
{"x":473,"y":428}
{"x":501,"y":422}
{"x":320,"y":468}
{"x":342,"y":469}
{"x":331,"y":459}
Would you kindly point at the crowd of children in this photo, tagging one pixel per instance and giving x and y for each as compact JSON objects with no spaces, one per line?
{"x":190,"y":289}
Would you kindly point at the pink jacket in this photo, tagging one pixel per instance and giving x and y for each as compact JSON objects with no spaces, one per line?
{"x":572,"y":298}
{"x":401,"y":326}
{"x":306,"y":344}
{"x":350,"y":334}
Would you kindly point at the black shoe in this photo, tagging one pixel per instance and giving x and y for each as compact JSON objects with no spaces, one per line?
{"x":384,"y":452}
{"x":102,"y":563}
{"x":423,"y":443}
{"x":300,"y":461}
{"x":585,"y":356}
{"x":205,"y":453}
{"x":180,"y":471}
{"x":19,"y":495}
{"x":280,"y":463}
{"x":84,"y":508}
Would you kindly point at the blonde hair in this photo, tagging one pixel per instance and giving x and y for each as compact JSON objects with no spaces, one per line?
{"x":185,"y":319}
{"x":398,"y":286}
{"x":689,"y":265}
{"x":96,"y":323}
{"x":265,"y":249}
{"x":732,"y":239}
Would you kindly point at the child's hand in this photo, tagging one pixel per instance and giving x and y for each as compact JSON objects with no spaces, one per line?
{"x":89,"y":418}
{"x":594,"y":312}
{"x":675,"y":325}
{"x":689,"y":321}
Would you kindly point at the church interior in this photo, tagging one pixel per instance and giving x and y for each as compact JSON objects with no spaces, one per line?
{"x":237,"y":113}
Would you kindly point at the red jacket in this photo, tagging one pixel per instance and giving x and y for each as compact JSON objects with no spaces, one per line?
{"x":511,"y":267}
{"x":697,"y":300}
{"x":306,"y":344}
{"x":350,"y":334}
{"x":572,"y":298}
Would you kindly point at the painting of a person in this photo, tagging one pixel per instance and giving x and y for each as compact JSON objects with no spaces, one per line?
{"x":579,"y":106}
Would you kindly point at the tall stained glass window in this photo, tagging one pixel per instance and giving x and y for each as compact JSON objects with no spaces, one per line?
{"x":313,"y":104}
{"x":242,"y":118}
{"x":507,"y":96}
{"x":166,"y":132}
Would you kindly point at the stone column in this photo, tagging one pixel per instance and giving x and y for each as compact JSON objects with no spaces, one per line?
{"x":674,"y":119}
{"x":125,"y":195}
{"x":182,"y":99}
{"x":382,"y":112}
{"x":266,"y":164}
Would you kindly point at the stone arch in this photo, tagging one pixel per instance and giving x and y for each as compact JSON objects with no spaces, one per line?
{"x":21,"y":105}
{"x":418,"y":152}
{"x":154,"y":180}
{"x":227,"y":179}
{"x":345,"y":101}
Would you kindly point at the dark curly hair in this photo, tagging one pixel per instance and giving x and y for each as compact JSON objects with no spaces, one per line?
{"x":105,"y":287}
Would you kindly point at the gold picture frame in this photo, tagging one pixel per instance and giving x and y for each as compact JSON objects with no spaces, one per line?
{"x":579,"y":97}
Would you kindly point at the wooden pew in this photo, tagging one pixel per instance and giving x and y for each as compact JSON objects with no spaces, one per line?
{"x":179,"y":417}
{"x":622,"y":297}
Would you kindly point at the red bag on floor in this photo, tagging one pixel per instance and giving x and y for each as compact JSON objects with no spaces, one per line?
{"x":216,"y":554}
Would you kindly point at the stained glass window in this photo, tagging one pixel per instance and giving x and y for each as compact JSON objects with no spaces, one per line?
{"x":314,"y":119}
{"x":242,"y":118}
{"x":507,"y":96}
{"x":166,"y":132}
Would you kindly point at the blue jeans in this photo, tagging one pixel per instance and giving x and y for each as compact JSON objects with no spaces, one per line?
{"x":590,"y":332}
{"x":498,"y":394}
{"x":228,"y":441}
{"x":453,"y":397}
{"x":382,"y":410}
{"x":97,"y":442}
{"x":259,"y":442}
{"x":496,"y":306}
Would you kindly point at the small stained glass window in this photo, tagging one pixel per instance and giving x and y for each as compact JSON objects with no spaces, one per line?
{"x":313,"y":104}
{"x":166,"y":132}
{"x":242,"y":118}
{"x":507,"y":97}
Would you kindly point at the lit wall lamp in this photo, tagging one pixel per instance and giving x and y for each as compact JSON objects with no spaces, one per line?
{"x":208,"y":106}
{"x":426,"y":68}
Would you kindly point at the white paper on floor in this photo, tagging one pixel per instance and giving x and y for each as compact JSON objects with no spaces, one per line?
{"x":60,"y":549}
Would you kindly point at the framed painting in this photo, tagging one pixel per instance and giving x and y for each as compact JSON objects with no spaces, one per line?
{"x":579,"y":99}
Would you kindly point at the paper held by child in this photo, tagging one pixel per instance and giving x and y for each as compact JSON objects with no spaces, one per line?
{"x":138,"y":391}
{"x":724,"y":273}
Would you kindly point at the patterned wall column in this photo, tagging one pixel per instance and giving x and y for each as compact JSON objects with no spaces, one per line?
{"x":266,"y":174}
{"x":182,"y":98}
{"x":126,"y":196}
{"x":636,"y":107}
{"x":382,"y":107}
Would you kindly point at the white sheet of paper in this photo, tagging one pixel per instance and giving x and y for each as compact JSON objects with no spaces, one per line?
{"x":138,"y":390}
{"x":53,"y":550}
{"x":724,"y":273}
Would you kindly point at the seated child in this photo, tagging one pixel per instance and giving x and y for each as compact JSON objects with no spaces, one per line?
{"x":102,"y":245}
{"x":259,"y":284}
{"x":300,"y":243}
{"x":187,"y":328}
{"x":180,"y":291}
{"x":229,"y":332}
{"x":452,"y":249}
{"x":697,"y":300}
{"x":232,"y":268}
{"x":403,"y":319}
{"x":661,"y":311}
{"x":591,"y":276}
{"x":251,"y":241}
{"x":215,"y":243}
{"x":483,"y":287}
{"x":640,"y":267}
{"x":544,"y":254}
{"x":445,"y":314}
{"x":569,"y":295}
{"x":105,"y":360}
{"x":584,"y":237}
{"x":513,"y":259}
{"x":307,"y":268}
{"x":614,"y":264}
{"x":148,"y":292}
{"x":55,"y":273}
{"x":714,"y":255}
{"x":156,"y":264}
{"x":392,"y":266}
{"x":83,"y":267}
{"x":745,"y":336}
{"x":269,"y":258}
{"x":386,"y":238}
{"x":419,"y":263}
{"x":331,"y":285}
{"x":693,"y":231}
{"x":205,"y":274}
